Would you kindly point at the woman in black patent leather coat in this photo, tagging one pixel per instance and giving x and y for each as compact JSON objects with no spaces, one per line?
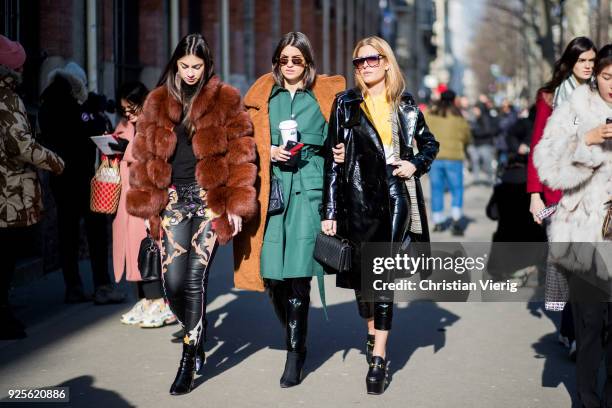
{"x":375,"y":195}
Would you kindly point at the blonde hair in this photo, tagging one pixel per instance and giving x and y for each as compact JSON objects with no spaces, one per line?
{"x":394,"y":80}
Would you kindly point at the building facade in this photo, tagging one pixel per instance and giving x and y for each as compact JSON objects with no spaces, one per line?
{"x":120,"y":40}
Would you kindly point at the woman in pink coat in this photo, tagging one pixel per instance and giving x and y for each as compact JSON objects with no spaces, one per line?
{"x":128,"y":231}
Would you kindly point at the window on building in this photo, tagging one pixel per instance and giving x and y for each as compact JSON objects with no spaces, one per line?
{"x":126,"y":48}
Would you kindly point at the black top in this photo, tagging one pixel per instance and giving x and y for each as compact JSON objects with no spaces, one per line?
{"x":183,"y":160}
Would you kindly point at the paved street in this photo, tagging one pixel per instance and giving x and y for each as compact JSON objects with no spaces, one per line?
{"x":441,"y":354}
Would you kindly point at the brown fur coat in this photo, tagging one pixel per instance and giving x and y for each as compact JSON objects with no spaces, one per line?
{"x":247,"y":245}
{"x":223,"y":144}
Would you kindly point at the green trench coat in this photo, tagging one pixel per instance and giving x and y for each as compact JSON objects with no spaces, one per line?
{"x":289,"y":236}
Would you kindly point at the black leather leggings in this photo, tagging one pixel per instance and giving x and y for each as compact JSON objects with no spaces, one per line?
{"x":291,"y":301}
{"x":188,"y":247}
{"x":382,"y":312}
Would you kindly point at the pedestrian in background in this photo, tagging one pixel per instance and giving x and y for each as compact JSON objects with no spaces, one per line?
{"x":68,"y":116}
{"x":279,"y":247}
{"x":482,"y":150}
{"x":509,"y":203}
{"x":374,"y":194}
{"x":453,"y":133}
{"x":21,"y":205}
{"x":192,"y":178}
{"x":151,"y":310}
{"x":507,"y":118}
{"x":573,"y":68}
{"x":574,"y":156}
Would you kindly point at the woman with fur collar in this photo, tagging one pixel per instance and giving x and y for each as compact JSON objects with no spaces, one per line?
{"x":278,"y":248}
{"x":575,"y":156}
{"x":192,"y":178}
{"x":575,"y":67}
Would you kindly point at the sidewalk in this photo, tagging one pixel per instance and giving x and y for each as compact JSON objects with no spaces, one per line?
{"x":441,"y":354}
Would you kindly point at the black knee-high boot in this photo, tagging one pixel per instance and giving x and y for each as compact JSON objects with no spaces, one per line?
{"x":277,"y":290}
{"x":298,"y":304}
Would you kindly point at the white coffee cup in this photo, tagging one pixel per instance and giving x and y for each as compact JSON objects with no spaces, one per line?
{"x":288,"y":129}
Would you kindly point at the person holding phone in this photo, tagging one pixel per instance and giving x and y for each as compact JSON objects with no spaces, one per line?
{"x":575,"y":157}
{"x":374,"y":194}
{"x":192,"y":179}
{"x":575,"y":67}
{"x":276,"y":250}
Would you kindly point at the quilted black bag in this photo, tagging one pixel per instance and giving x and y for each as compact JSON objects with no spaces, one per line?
{"x":333,"y":252}
{"x":276,"y":203}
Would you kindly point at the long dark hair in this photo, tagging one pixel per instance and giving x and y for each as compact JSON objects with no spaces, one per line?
{"x":603,"y":60}
{"x":564,"y":66}
{"x":302,"y":43}
{"x":191,"y":44}
{"x":446,"y":105}
{"x":134,"y":92}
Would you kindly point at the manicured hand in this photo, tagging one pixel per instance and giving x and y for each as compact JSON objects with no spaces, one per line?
{"x":598,"y":135}
{"x":404,"y":169}
{"x":338,"y":153}
{"x":536,"y":206}
{"x":329,"y":227}
{"x":279,"y":154}
{"x":236,"y":223}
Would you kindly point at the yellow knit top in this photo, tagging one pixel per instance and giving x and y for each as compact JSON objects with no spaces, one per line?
{"x":378,"y":111}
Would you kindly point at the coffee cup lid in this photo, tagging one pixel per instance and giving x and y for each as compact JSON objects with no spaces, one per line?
{"x":288,"y":124}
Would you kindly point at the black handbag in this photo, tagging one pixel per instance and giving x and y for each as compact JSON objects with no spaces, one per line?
{"x":149,"y":259}
{"x":276,"y":203}
{"x":333,"y":252}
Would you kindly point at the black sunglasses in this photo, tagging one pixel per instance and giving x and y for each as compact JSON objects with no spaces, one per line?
{"x":373,"y":61}
{"x":131,"y":110}
{"x":295,"y":60}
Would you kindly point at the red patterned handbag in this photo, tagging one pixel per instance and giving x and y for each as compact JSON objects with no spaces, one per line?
{"x":106,"y":187}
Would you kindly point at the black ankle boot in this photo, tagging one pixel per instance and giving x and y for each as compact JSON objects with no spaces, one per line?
{"x":200,"y":356}
{"x":184,"y":377}
{"x":376,"y":379}
{"x":294,"y":368}
{"x":369,"y":348}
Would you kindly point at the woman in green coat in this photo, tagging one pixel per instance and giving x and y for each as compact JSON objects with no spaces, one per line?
{"x":279,"y":247}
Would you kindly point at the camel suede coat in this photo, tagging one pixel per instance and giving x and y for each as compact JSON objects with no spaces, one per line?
{"x":248,"y":244}
{"x":223,"y":145}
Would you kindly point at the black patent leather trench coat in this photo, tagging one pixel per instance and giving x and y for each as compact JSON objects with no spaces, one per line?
{"x":356,"y":192}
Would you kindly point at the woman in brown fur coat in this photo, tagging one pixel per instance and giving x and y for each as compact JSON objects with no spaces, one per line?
{"x":193,"y":178}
